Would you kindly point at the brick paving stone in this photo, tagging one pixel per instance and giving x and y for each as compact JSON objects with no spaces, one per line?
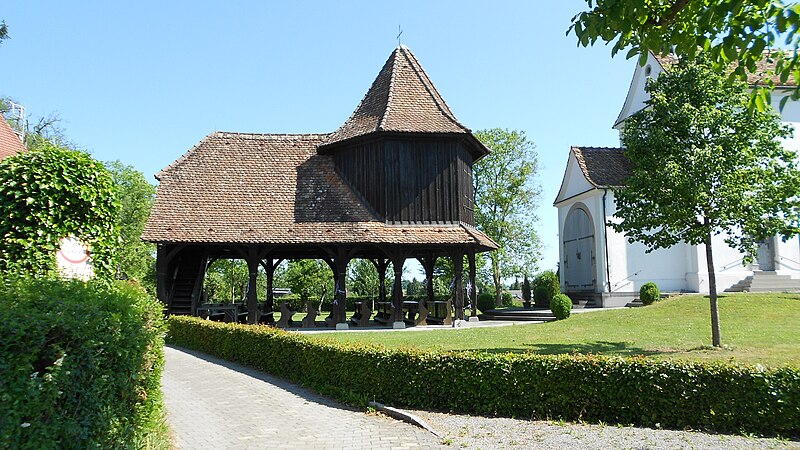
{"x":215,"y":404}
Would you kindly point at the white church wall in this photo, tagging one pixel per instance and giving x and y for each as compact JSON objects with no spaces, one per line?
{"x":630,"y":265}
{"x":574,"y":182}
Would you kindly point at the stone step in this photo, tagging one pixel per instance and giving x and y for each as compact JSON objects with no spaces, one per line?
{"x":518,"y":314}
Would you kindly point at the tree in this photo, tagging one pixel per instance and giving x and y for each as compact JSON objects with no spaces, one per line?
{"x":506,"y":196}
{"x":226,"y":280}
{"x":726,"y":30}
{"x":705,"y":165}
{"x":136,"y":258}
{"x":3,"y":31}
{"x":364,"y":278}
{"x":415,"y":287}
{"x":526,"y":292}
{"x":51,"y":193}
{"x":311,"y":279}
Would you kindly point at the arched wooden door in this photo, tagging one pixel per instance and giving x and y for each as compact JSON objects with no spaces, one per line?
{"x":579,"y":257}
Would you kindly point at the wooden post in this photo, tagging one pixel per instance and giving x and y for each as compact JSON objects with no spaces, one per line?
{"x":252,"y":292}
{"x":341,"y":261}
{"x":269,"y":266}
{"x":473,"y":292}
{"x":397,"y":293}
{"x":381,"y":264}
{"x":458,"y":283}
{"x":429,"y":264}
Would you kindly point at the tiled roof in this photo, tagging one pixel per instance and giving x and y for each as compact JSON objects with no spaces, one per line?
{"x":10,"y":144}
{"x":764,"y":67}
{"x":401,"y":99}
{"x":603,"y":166}
{"x":274,"y":189}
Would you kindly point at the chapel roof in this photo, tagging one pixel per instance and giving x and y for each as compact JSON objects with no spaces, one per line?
{"x":246,"y":188}
{"x":10,"y":143}
{"x":402,"y":99}
{"x":603,"y":167}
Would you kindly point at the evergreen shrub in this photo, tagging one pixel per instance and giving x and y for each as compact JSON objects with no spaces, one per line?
{"x":546,"y":286}
{"x":649,"y":293}
{"x":561,"y":306}
{"x":508,"y":299}
{"x":713,"y":396}
{"x":80,"y":365}
{"x":486,"y":301}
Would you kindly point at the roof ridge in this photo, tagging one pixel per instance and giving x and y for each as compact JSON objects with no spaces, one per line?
{"x":158,"y":175}
{"x":264,"y":135}
{"x":390,"y":91}
{"x":437,"y":98}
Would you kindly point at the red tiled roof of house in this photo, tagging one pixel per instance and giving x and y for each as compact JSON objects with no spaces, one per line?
{"x":274,"y":189}
{"x":764,"y":68}
{"x":603,"y":166}
{"x":10,"y":143}
{"x":402,"y":99}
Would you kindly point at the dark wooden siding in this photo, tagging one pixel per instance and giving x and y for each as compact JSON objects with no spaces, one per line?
{"x":412,"y":181}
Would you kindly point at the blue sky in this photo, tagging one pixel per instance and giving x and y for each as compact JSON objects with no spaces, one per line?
{"x":144,"y":81}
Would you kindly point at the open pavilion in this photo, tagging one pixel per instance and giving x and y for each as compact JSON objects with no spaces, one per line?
{"x":393,"y":182}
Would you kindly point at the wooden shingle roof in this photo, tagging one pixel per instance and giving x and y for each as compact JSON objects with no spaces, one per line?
{"x":603,"y":166}
{"x":10,"y":143}
{"x":274,"y":189}
{"x":402,"y":99}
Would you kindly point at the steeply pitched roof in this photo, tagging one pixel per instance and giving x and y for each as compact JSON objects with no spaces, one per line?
{"x":764,"y":68}
{"x":10,"y":143}
{"x":603,"y":166}
{"x":401,"y":99}
{"x":274,"y":189}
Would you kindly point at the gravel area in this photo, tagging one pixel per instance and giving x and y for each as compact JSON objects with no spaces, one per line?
{"x":460,"y":431}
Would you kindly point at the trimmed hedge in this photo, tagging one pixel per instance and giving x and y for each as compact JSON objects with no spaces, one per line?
{"x":80,"y":365}
{"x":671,"y":394}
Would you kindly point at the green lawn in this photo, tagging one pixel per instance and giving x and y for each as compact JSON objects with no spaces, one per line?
{"x":756,"y":328}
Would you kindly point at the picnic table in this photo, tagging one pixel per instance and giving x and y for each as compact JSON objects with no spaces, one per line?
{"x":227,"y":312}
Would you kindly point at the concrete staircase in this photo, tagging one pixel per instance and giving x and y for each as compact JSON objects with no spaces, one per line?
{"x":766,"y":282}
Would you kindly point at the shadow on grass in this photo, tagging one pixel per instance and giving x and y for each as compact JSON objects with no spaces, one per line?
{"x":597,"y":347}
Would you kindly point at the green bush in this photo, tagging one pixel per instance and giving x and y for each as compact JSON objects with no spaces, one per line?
{"x":713,"y":396}
{"x":80,"y":365}
{"x":545,"y":287}
{"x":508,"y":299}
{"x":649,"y":293}
{"x":561,"y":306}
{"x":486,"y":301}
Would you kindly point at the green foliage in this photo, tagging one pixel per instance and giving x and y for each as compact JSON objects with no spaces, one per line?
{"x":80,"y":364}
{"x":649,"y":293}
{"x":561,"y":306}
{"x":3,"y":31}
{"x":415,"y":287}
{"x":725,"y":31}
{"x":546,"y":286}
{"x":506,"y":197}
{"x":226,"y":281}
{"x":364,"y":278}
{"x":508,"y":299}
{"x":48,"y":194}
{"x":526,"y":290}
{"x":705,"y":165}
{"x":135,"y":258}
{"x":671,"y":394}
{"x":485,"y":301}
{"x":311,"y":279}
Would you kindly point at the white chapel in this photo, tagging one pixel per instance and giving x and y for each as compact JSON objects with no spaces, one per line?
{"x":598,"y":264}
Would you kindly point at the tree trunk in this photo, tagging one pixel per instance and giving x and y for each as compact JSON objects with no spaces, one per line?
{"x":712,"y":294}
{"x":498,"y":283}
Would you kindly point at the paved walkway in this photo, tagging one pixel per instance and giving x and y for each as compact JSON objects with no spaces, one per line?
{"x":214,"y":404}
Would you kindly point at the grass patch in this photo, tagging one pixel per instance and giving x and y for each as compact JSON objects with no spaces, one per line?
{"x":756,"y":329}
